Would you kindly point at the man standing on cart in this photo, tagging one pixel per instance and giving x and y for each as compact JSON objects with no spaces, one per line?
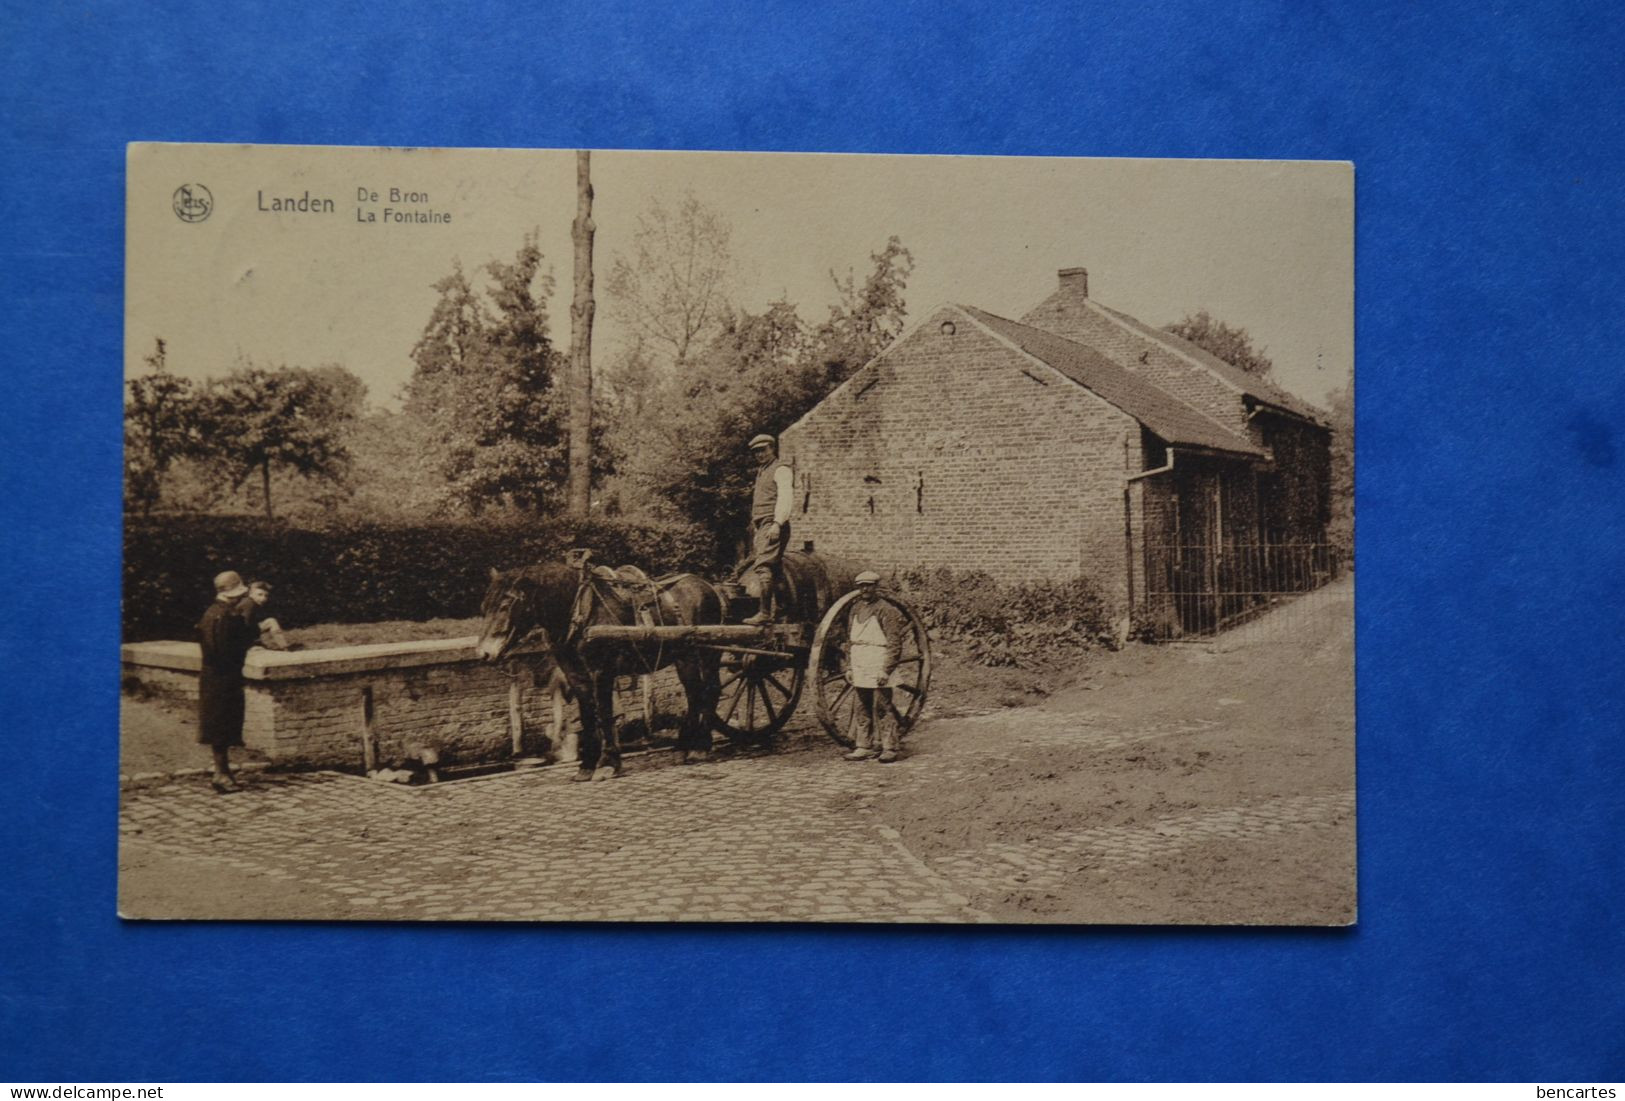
{"x":770,"y":503}
{"x":875,"y":631}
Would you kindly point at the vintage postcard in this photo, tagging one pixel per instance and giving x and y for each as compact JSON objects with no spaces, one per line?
{"x":552,"y":535}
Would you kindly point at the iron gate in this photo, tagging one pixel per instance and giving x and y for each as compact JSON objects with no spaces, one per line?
{"x":1196,"y":590}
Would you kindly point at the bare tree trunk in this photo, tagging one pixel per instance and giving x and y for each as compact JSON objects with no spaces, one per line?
{"x":581,"y":311}
{"x":265,"y":483}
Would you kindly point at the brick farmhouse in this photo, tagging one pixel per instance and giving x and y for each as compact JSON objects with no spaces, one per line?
{"x":1075,"y":441}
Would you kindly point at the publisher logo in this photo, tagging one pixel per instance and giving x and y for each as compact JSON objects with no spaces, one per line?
{"x":193,"y":202}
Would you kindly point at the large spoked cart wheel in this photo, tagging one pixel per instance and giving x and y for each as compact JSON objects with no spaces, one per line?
{"x":760,"y":690}
{"x":830,"y":664}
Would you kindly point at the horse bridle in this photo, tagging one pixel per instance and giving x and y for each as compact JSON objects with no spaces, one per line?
{"x":514,"y":600}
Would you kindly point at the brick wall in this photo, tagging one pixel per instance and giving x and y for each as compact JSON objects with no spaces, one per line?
{"x":960,"y":451}
{"x":309,"y":707}
{"x":461,"y":710}
{"x":1154,"y":513}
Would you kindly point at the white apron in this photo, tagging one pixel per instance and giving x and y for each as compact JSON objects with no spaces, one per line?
{"x":868,"y":651}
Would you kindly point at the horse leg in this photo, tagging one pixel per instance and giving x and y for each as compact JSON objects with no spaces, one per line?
{"x":589,"y":745}
{"x":699,"y":676}
{"x":703,"y":700}
{"x":609,"y":742}
{"x":566,"y":744}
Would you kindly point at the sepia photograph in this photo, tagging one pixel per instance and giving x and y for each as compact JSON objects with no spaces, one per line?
{"x":611,"y":536}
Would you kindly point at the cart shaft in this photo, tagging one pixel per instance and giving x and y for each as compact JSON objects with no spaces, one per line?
{"x":713,"y":633}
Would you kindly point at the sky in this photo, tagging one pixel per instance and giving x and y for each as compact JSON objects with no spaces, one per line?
{"x":1265,"y":245}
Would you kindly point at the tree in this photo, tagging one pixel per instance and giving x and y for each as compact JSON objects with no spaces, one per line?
{"x":160,"y":426}
{"x":762,"y":373}
{"x":453,"y":341}
{"x":1233,"y":345}
{"x":483,"y":384}
{"x":581,"y":312}
{"x":680,"y":436}
{"x":349,"y":392}
{"x":291,"y":418}
{"x":452,"y":352}
{"x":517,"y":329}
{"x":627,"y":382}
{"x":511,"y":407}
{"x":396,"y":467}
{"x":673,"y":290}
{"x":866,"y":319}
{"x":753,"y":377}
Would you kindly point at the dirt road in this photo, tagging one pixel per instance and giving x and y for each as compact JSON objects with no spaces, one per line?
{"x":1182,"y":783}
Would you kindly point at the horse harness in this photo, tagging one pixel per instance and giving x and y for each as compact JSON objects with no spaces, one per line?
{"x":631,"y":586}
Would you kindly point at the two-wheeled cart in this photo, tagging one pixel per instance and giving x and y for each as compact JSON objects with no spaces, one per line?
{"x":765,"y":669}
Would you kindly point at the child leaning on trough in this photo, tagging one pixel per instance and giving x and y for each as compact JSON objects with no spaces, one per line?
{"x":264,"y":630}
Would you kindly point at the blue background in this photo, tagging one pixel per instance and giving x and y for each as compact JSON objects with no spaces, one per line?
{"x":1491,"y":273}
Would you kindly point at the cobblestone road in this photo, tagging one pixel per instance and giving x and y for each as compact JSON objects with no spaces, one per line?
{"x":782,"y":837}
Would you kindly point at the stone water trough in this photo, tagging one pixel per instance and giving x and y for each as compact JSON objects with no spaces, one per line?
{"x":367,"y":707}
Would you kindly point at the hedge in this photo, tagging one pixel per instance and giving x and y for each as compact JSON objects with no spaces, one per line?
{"x":360,"y":572}
{"x":1028,"y":625}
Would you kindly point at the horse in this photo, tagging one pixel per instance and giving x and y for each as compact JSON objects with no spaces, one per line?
{"x":558,"y":602}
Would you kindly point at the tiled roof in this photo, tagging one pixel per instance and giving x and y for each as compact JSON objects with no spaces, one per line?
{"x":1261,"y":388}
{"x":1161,"y":412}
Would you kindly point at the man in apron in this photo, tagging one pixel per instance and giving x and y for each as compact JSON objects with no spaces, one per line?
{"x":875,"y":631}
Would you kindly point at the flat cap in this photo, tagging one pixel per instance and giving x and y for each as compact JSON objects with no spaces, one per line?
{"x":763,"y":440}
{"x":868,"y":577}
{"x":229,"y":583}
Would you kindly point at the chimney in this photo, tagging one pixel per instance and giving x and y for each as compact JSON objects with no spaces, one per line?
{"x":1075,"y":282}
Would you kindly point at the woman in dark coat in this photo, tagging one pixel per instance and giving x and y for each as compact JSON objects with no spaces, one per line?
{"x":225,"y":637}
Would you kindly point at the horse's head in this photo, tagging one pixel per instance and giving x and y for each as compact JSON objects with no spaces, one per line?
{"x":505,"y":609}
{"x":521,"y":603}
